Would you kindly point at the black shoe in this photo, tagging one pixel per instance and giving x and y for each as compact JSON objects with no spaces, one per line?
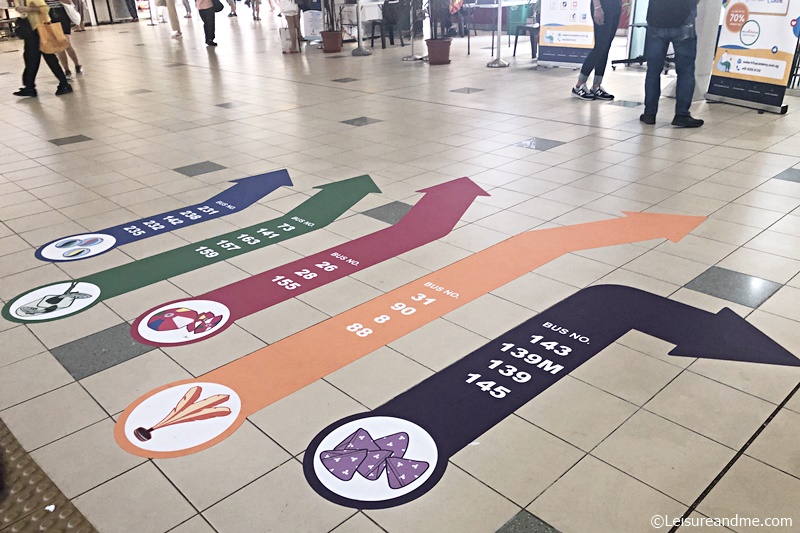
{"x":686,"y":121}
{"x":63,"y":89}
{"x":602,"y":94}
{"x":582,"y":92}
{"x":648,"y":118}
{"x":26,"y":92}
{"x":211,"y":43}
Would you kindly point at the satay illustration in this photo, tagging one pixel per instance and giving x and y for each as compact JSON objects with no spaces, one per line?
{"x":189,"y":409}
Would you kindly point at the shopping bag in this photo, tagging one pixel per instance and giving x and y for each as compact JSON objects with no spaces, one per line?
{"x":218,"y":6}
{"x":288,"y":7}
{"x":51,"y":38}
{"x":286,"y":39}
{"x":72,"y":13}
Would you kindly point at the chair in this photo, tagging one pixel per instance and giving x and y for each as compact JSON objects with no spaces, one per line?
{"x":390,"y":17}
{"x":533,"y":31}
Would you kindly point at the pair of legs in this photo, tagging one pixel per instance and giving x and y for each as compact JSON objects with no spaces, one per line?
{"x":132,"y":9}
{"x":294,"y":31}
{"x":33,"y":58}
{"x":174,"y":21}
{"x":256,"y":9}
{"x":80,"y":7}
{"x":209,"y":24}
{"x":188,"y":9}
{"x":232,"y":3}
{"x":655,"y":52}
{"x":598,"y":58}
{"x":71,"y":54}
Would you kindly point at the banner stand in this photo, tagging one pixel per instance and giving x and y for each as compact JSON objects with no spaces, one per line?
{"x":566,"y":33}
{"x":780,"y":110}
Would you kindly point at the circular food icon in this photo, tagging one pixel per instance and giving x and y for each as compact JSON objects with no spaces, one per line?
{"x":77,"y":247}
{"x":54,"y":301}
{"x":374,"y":459}
{"x":182,"y":417}
{"x":182,"y":322}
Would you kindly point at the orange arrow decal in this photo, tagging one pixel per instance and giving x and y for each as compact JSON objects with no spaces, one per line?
{"x":273,"y":372}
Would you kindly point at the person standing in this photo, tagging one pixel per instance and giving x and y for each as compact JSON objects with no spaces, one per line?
{"x":605,"y":15}
{"x":36,"y":11}
{"x":66,"y":25}
{"x":207,"y":15}
{"x":671,"y":21}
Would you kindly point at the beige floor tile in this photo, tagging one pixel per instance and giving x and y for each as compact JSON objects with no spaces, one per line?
{"x":264,"y":259}
{"x":601,"y":498}
{"x":118,"y":386}
{"x":754,"y":490}
{"x":435,"y":255}
{"x":667,"y":267}
{"x":132,"y":304}
{"x":280,"y":498}
{"x":154,"y":245}
{"x":216,"y":351}
{"x":358,"y":523}
{"x":44,"y":419}
{"x":784,"y":303}
{"x":626,"y":373}
{"x":371,"y":392}
{"x":574,"y":270}
{"x":194,"y":525}
{"x":59,"y":332}
{"x":85,"y":459}
{"x":776,"y":444}
{"x":474,"y":238}
{"x":488,"y":316}
{"x":294,"y":420}
{"x":699,"y":249}
{"x":708,"y":303}
{"x":503,"y":459}
{"x":18,"y":343}
{"x":727,"y":232}
{"x":314,"y":242}
{"x":139,"y":500}
{"x":579,"y":413}
{"x":209,"y":476}
{"x":28,"y":378}
{"x":664,"y":455}
{"x":282,"y":320}
{"x":534,"y":291}
{"x":479,"y":508}
{"x":390,"y":274}
{"x":208,"y":278}
{"x":438,"y":344}
{"x":761,"y":265}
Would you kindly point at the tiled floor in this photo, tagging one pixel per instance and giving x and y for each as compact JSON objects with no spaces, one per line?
{"x":631,"y":434}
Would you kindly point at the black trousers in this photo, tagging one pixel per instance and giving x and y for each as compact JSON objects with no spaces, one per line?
{"x":208,"y":18}
{"x":132,"y":9}
{"x":33,"y":58}
{"x":603,"y":35}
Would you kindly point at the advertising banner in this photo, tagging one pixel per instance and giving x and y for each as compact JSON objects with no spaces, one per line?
{"x":567,"y":33}
{"x":756,"y":47}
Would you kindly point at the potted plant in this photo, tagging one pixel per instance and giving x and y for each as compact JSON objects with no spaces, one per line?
{"x":438,"y":46}
{"x":332,"y":35}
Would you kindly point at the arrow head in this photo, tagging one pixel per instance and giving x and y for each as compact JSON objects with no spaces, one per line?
{"x":729,"y":337}
{"x":362,"y":185}
{"x":270,"y":180}
{"x":461,"y":187}
{"x":672,"y":227}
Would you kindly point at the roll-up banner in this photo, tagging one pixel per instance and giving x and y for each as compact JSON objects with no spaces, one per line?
{"x":566,"y":33}
{"x":756,"y":47}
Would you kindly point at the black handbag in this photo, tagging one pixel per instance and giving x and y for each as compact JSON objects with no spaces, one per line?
{"x":218,"y":6}
{"x":22,"y":28}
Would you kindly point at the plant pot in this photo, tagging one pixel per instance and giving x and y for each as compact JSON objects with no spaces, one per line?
{"x":331,"y":41}
{"x":438,"y":51}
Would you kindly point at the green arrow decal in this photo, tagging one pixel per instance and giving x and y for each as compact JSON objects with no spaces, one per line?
{"x":55,"y":301}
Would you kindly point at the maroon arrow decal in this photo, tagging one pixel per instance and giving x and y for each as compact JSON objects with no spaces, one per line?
{"x":433,"y":217}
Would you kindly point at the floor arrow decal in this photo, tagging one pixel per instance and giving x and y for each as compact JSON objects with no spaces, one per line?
{"x":58,"y":300}
{"x":428,"y":424}
{"x":243,"y":194}
{"x":273,"y":372}
{"x":433,"y":217}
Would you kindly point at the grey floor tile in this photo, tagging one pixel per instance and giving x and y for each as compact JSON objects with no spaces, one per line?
{"x":335,"y":57}
{"x":626,"y":103}
{"x":345,"y":80}
{"x":361,"y":121}
{"x":790,"y":174}
{"x":466,"y":90}
{"x":196,"y":169}
{"x":99,"y":351}
{"x":537,"y":143}
{"x":389,"y":213}
{"x":525,"y":522}
{"x":734,"y":286}
{"x":70,"y":140}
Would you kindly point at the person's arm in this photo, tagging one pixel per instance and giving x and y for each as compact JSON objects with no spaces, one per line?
{"x":599,"y":15}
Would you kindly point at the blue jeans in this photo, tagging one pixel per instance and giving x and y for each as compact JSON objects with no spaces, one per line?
{"x":684,"y":41}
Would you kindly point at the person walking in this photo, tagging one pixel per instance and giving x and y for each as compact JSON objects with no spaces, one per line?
{"x":671,"y":21}
{"x":188,"y":9}
{"x":174,"y":20}
{"x":36,"y":12}
{"x":207,"y":15}
{"x":232,"y":3}
{"x":605,"y":15}
{"x":66,"y":25}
